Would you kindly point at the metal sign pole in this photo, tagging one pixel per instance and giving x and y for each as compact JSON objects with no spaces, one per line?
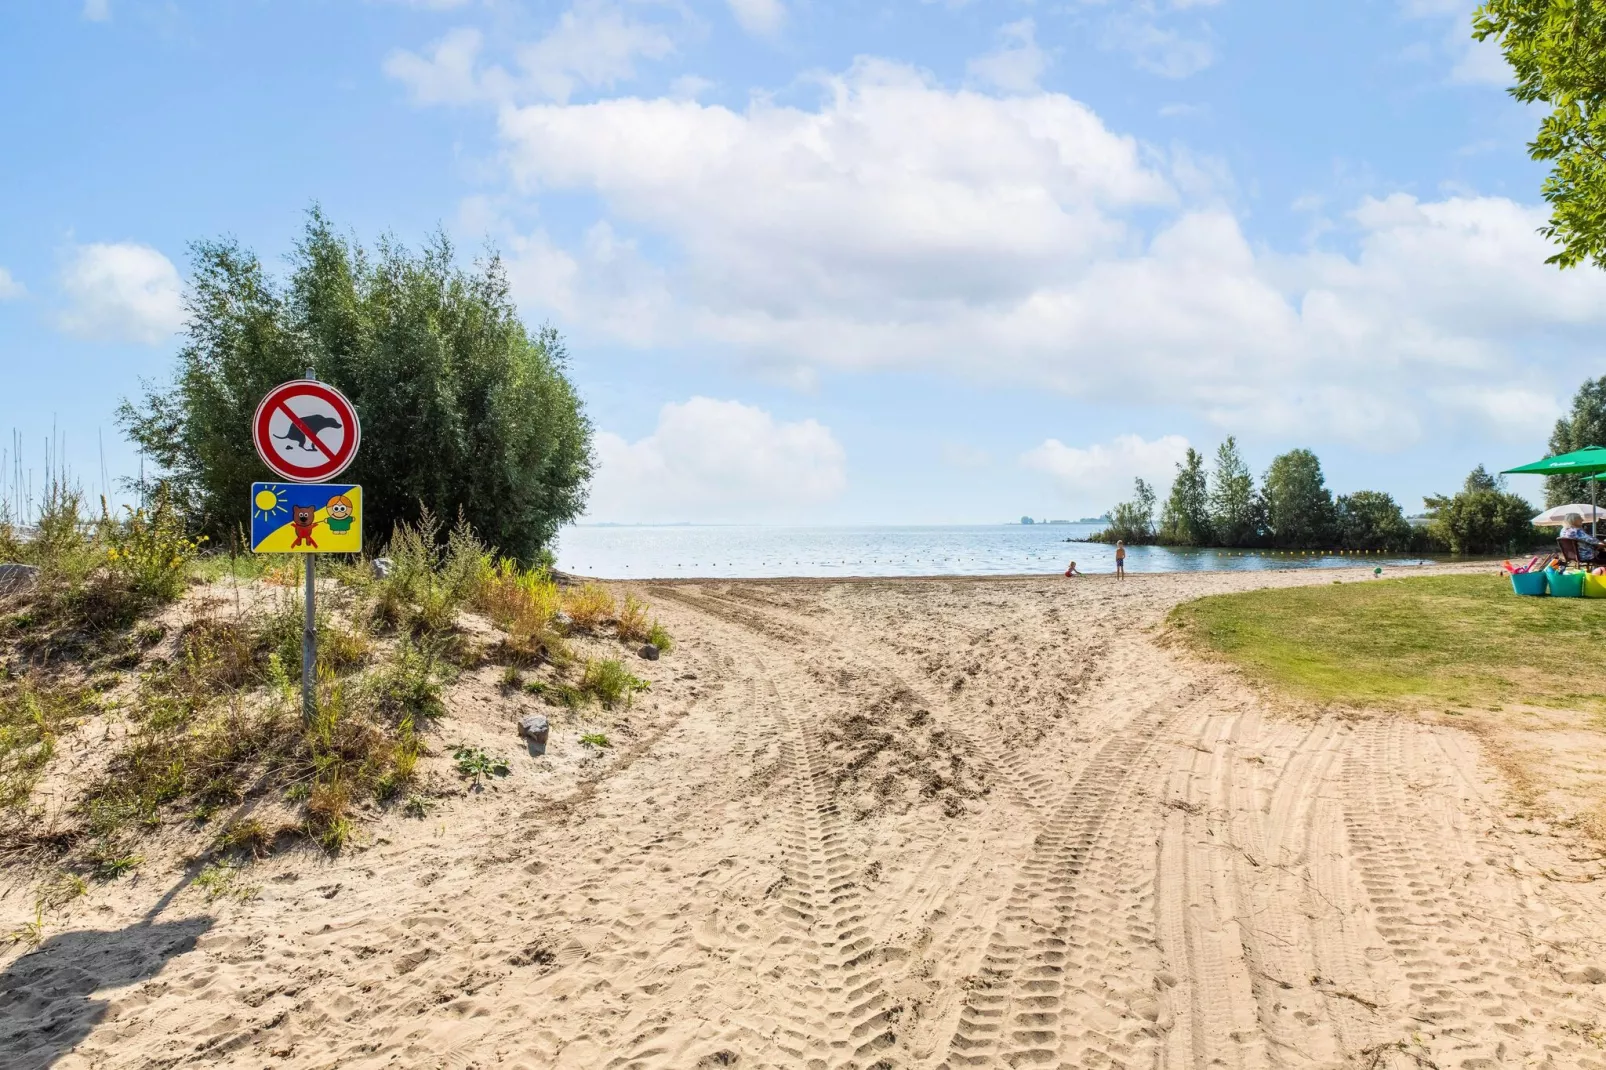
{"x":309,"y":635}
{"x":309,"y":642}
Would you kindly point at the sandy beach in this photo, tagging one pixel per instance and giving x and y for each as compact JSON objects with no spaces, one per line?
{"x":879,"y":823}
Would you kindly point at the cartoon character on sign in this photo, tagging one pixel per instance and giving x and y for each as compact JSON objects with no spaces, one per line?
{"x":303,"y":518}
{"x":340,"y":513}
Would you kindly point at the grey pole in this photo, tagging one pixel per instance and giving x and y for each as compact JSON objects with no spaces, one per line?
{"x":309,"y":643}
{"x":309,"y":635}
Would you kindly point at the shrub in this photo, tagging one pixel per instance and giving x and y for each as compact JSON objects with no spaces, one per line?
{"x":1131,"y":522}
{"x":589,"y":605}
{"x":633,"y":626}
{"x":463,"y":408}
{"x":150,"y":551}
{"x":1483,"y":522}
{"x":407,"y":688}
{"x":1371,"y":520}
{"x":524,"y":603}
{"x":610,"y":681}
{"x":659,"y":637}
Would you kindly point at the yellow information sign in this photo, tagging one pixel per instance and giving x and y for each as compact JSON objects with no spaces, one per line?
{"x":306,"y":518}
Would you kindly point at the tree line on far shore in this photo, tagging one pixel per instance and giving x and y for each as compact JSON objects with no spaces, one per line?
{"x":1293,"y":509}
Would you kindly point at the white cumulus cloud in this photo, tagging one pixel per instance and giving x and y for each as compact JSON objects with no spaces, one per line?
{"x":716,"y":460}
{"x":593,"y":44}
{"x":1016,"y":239}
{"x":1099,"y":474}
{"x":1016,"y":64}
{"x":122,"y":291}
{"x":763,"y":18}
{"x":10,"y":288}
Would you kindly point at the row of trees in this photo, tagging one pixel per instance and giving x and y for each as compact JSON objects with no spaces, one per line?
{"x":1293,"y":509}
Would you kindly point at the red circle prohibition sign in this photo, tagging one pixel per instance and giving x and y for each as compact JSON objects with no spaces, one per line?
{"x":306,"y":431}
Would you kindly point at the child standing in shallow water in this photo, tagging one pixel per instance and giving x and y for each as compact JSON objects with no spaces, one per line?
{"x":1120,"y":560}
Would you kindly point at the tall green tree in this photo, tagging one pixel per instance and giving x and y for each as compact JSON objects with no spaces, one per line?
{"x":464,"y":411}
{"x":1480,"y":478}
{"x":1233,"y":517}
{"x":1185,"y":520}
{"x":1371,"y":520}
{"x":1584,"y":425}
{"x":1299,"y":507}
{"x":1557,"y":50}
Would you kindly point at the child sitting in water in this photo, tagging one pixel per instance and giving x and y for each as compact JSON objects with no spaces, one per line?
{"x":1072,"y":570}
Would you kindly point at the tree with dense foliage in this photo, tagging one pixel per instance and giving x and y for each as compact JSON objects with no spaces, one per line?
{"x":1185,"y":520}
{"x":1584,"y":425}
{"x":1299,"y":507}
{"x":1482,"y":519}
{"x":1234,"y":518}
{"x":1371,"y":520}
{"x":1557,"y":49}
{"x":464,"y":411}
{"x":1131,"y":522}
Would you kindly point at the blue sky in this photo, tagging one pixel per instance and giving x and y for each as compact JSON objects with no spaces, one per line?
{"x":894,"y":262}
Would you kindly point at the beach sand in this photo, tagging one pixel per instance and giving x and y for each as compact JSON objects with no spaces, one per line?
{"x":881,"y":823}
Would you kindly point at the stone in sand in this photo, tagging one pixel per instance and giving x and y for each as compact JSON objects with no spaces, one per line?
{"x":17,"y":579}
{"x":534,"y":729}
{"x":649,"y":652}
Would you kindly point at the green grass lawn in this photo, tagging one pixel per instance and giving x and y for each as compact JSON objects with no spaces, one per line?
{"x":1440,"y":640}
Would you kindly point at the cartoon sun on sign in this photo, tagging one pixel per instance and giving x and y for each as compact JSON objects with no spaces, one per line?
{"x":270,"y":504}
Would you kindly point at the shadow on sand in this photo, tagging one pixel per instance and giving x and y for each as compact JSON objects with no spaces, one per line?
{"x":47,"y":1004}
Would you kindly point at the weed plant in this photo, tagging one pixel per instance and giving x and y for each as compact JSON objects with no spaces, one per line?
{"x":98,"y":575}
{"x":659,"y":637}
{"x":610,"y":681}
{"x":33,"y":713}
{"x":589,"y":606}
{"x":633,"y":626}
{"x":475,"y":763}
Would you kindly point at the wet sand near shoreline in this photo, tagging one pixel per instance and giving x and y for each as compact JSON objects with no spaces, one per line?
{"x":942,"y":822}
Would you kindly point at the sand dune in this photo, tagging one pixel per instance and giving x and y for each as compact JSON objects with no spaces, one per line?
{"x":890,"y":823}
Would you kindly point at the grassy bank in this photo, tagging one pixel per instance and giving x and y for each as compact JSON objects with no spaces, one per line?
{"x":1433,"y":641}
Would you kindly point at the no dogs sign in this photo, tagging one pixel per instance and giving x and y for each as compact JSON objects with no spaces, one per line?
{"x":306,"y":431}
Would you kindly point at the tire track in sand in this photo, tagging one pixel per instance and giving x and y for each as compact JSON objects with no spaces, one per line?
{"x":1058,"y":929}
{"x":841,"y":1016}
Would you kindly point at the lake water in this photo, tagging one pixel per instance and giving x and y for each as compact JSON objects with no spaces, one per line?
{"x":959,"y":550}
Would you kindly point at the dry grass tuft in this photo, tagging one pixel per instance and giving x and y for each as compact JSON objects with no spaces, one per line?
{"x":589,"y":606}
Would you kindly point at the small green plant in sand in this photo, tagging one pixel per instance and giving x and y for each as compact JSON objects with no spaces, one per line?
{"x":475,"y":763}
{"x":1431,"y":640}
{"x":416,"y":806}
{"x":220,"y":880}
{"x":610,"y":681}
{"x":659,"y":637}
{"x":512,"y":679}
{"x":30,"y":933}
{"x":62,"y":889}
{"x":595,"y":739}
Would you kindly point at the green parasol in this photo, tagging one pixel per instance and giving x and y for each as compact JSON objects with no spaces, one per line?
{"x":1589,"y":462}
